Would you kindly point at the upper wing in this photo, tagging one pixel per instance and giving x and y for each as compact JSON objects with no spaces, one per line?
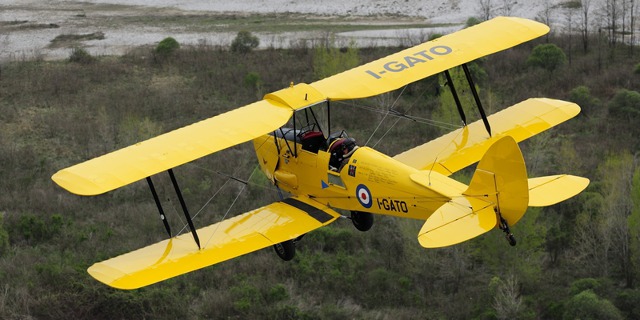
{"x":248,"y":232}
{"x":169,"y":150}
{"x":174,"y":148}
{"x":466,"y":146}
{"x":430,"y":58}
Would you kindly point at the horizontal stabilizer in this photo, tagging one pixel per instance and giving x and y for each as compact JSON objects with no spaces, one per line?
{"x":457,"y":221}
{"x":546,"y":191}
{"x":242,"y":234}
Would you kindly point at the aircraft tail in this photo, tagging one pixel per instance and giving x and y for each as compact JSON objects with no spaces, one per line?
{"x":498,"y":195}
{"x":501,"y":179}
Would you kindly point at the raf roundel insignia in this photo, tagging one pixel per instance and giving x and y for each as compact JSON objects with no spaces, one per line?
{"x":364,"y":196}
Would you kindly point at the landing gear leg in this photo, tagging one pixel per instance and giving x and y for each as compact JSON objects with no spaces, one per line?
{"x":505,"y":228}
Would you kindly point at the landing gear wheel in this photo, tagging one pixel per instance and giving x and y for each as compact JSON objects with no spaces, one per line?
{"x":285,"y":250}
{"x":362,"y":220}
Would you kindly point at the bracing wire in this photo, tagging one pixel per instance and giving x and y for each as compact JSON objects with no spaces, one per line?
{"x":397,"y":120}
{"x":229,"y":209}
{"x":385,"y":115}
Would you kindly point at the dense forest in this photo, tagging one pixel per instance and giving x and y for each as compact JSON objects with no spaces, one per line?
{"x":577,"y":259}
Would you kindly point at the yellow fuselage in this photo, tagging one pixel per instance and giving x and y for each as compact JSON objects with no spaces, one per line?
{"x":370,"y":181}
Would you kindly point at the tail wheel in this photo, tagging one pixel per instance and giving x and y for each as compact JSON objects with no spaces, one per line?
{"x":362,"y":220}
{"x":285,"y":250}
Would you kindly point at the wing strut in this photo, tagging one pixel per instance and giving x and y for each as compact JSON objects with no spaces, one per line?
{"x":455,"y":97}
{"x":476,"y":97}
{"x":328,"y":118}
{"x":159,"y":205}
{"x":184,"y":207}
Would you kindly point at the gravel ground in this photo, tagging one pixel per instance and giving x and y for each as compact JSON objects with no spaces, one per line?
{"x":28,"y":27}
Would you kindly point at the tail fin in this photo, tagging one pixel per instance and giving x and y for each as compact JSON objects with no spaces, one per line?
{"x":499,"y":186}
{"x":501,"y":178}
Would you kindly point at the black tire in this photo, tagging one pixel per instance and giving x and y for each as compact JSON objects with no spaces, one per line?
{"x":285,"y":250}
{"x":511,"y":239}
{"x":363,"y":221}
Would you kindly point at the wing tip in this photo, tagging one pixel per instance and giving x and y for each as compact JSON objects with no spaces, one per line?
{"x":76,"y":184}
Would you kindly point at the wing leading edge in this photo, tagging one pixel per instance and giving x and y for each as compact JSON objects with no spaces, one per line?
{"x":432,"y":57}
{"x":146,"y":158}
{"x":242,"y":234}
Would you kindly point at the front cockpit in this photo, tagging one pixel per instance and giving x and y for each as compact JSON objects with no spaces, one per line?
{"x":339,"y":145}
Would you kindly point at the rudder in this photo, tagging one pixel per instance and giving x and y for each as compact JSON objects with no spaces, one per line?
{"x":501,"y":178}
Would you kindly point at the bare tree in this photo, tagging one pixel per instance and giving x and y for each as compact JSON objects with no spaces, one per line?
{"x":632,"y":24}
{"x":585,"y":5}
{"x":545,"y":14}
{"x":569,"y":18}
{"x":485,"y":9}
{"x":507,"y":6}
{"x":611,"y":15}
{"x":507,"y":301}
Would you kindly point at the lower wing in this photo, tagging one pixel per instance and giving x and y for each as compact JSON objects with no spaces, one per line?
{"x":242,"y":234}
{"x":463,"y":147}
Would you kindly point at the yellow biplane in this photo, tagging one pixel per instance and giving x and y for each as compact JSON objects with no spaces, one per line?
{"x":323,"y":171}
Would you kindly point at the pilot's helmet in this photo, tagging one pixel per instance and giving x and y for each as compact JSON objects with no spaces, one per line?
{"x":349,"y":146}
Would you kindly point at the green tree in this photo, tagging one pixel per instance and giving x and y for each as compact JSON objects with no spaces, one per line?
{"x":634,"y":227}
{"x":329,"y":59}
{"x":244,"y":42}
{"x":603,"y":235}
{"x":547,"y":56}
{"x":625,"y":105}
{"x":587,"y":305}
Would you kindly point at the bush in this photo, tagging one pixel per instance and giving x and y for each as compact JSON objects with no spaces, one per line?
{"x":244,"y":42}
{"x":472,"y":22}
{"x":167,"y":46}
{"x":636,"y":70}
{"x":625,"y":105}
{"x":582,"y":96}
{"x":80,"y":55}
{"x":252,"y":80}
{"x":547,"y":56}
{"x":33,"y":229}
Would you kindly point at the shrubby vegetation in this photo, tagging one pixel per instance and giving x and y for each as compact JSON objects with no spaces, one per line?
{"x":244,"y":42}
{"x":167,"y":46}
{"x":578,"y":259}
{"x":547,"y":56}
